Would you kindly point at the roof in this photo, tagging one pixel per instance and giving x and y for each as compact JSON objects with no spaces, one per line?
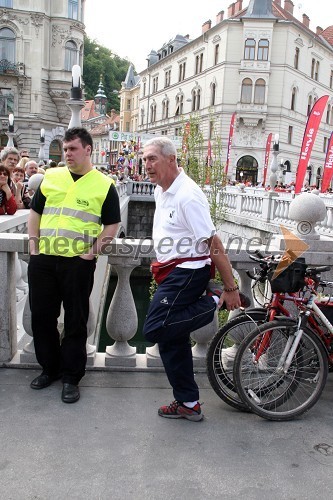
{"x":88,"y":111}
{"x":110,"y":122}
{"x":259,"y":9}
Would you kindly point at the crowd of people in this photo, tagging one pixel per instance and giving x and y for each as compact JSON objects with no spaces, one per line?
{"x":16,"y":170}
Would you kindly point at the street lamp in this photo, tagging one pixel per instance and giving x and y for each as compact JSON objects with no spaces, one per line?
{"x":10,"y":133}
{"x":75,"y":103}
{"x":274,"y":164}
{"x":41,"y":154}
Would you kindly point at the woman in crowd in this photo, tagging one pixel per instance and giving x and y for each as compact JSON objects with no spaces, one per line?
{"x":22,"y":196}
{"x":7,"y":199}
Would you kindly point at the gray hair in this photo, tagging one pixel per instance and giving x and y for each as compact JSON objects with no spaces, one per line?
{"x":8,"y":151}
{"x":165,"y":145}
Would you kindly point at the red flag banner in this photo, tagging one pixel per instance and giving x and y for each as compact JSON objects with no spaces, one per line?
{"x":309,"y":137}
{"x":231,"y":133}
{"x":328,"y":168}
{"x":268,"y":150}
{"x":185,"y":136}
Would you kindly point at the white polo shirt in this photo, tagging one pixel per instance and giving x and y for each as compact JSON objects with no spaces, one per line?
{"x":182,"y":222}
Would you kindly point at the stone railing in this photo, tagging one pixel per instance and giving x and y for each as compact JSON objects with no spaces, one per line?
{"x":268,"y":209}
{"x":123,"y":256}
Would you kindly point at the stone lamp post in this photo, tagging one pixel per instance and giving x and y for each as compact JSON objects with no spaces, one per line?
{"x":75,"y":103}
{"x":274,"y":163}
{"x":10,"y":133}
{"x":41,"y":154}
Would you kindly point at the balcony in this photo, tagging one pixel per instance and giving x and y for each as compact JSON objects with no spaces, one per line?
{"x":10,"y":68}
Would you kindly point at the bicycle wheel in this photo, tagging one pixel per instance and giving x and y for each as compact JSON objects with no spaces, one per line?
{"x":221,"y":353}
{"x":270,"y":392}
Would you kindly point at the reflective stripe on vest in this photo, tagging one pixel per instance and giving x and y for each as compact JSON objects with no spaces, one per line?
{"x":79,"y":214}
{"x":65,"y":233}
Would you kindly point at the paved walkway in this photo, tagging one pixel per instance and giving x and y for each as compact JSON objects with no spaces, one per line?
{"x":112,"y":445}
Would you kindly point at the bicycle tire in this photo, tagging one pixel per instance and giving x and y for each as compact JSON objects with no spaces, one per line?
{"x":271,"y":393}
{"x":219,"y":362}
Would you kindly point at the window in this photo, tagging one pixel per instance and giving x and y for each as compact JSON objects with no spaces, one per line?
{"x":167,"y":80}
{"x":127,"y":127}
{"x":144,"y":89}
{"x":328,"y":115}
{"x":259,"y":91}
{"x":6,"y":101}
{"x":325,"y":144}
{"x":165,"y":109}
{"x":73,"y":9}
{"x":210,"y":129}
{"x":7,"y":44}
{"x":316,"y":71}
{"x":142,"y":116}
{"x":71,"y":54}
{"x":6,"y":3}
{"x":246,"y":96}
{"x":179,"y":105}
{"x":263,"y":47}
{"x":153,"y":113}
{"x":309,"y":105}
{"x":296,"y":58}
{"x":331,"y":80}
{"x":213,"y":94}
{"x":250,"y":47}
{"x":216,"y":55}
{"x":155,"y":84}
{"x":196,"y":95}
{"x":181,"y":75}
{"x":293,"y":99}
{"x":313,"y":64}
{"x":290,"y":134}
{"x":178,"y":132}
{"x":198,"y":63}
{"x":128,"y":104}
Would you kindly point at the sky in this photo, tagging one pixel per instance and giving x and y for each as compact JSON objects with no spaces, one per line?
{"x":133,"y":29}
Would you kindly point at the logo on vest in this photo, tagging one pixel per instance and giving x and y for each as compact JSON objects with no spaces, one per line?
{"x":165,"y":300}
{"x":82,"y":203}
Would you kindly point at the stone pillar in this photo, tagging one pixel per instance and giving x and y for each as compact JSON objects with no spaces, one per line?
{"x":8,"y":320}
{"x":122,"y":318}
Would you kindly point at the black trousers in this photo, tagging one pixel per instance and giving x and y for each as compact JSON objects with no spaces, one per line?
{"x":54,"y":280}
{"x":177,"y":309}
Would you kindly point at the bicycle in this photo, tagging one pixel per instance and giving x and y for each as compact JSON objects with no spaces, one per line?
{"x":224,"y":345}
{"x":281,"y":367}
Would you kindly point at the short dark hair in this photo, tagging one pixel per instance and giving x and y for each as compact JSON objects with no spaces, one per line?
{"x":79,"y":133}
{"x":5,"y":169}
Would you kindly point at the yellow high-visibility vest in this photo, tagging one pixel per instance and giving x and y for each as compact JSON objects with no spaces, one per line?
{"x":71,"y":219}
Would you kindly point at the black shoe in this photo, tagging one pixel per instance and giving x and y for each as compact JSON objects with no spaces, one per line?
{"x":43,"y":381}
{"x":70,"y":393}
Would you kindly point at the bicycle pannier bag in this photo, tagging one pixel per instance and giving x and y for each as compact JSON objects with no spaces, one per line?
{"x":290,"y":279}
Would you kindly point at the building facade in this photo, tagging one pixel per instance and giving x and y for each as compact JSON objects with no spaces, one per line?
{"x":260,"y":62}
{"x":40,"y":41}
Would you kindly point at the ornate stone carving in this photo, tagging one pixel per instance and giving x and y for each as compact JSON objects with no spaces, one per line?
{"x":7,"y":15}
{"x":59,"y":34}
{"x":37,"y":21}
{"x":249,"y":136}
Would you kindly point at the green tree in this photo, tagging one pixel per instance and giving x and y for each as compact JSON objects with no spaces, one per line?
{"x":99,"y":61}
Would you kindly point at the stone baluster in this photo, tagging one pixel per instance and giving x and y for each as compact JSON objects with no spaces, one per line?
{"x":202,"y":337}
{"x":122,"y":318}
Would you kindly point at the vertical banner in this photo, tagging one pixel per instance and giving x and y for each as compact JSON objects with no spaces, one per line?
{"x":268,"y":150}
{"x":309,"y":137}
{"x":231,"y":133}
{"x":328,"y":168}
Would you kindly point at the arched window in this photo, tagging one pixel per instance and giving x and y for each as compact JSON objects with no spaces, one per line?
{"x":213,"y":94}
{"x":71,"y":55}
{"x":7,"y":45}
{"x":259,"y":91}
{"x":249,"y":49}
{"x":293,"y":99}
{"x":263,"y":46}
{"x":246,"y":95}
